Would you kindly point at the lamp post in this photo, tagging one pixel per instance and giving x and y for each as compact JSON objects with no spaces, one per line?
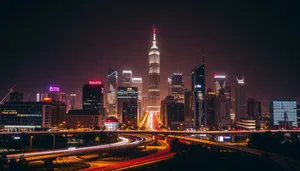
{"x":53,"y":141}
{"x":30,"y":144}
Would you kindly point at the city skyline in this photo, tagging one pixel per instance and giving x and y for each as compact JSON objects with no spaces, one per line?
{"x":73,"y":59}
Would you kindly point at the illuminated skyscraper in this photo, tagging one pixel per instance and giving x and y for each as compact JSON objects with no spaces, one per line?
{"x":176,"y":85}
{"x":126,"y":78}
{"x":92,"y":97}
{"x":127,"y":105}
{"x":219,"y":83}
{"x":198,"y":88}
{"x":137,"y":82}
{"x":154,"y":76}
{"x":111,"y":101}
{"x":241,"y":100}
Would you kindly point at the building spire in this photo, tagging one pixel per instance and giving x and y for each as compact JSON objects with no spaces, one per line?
{"x":154,"y":32}
{"x":154,"y":37}
{"x":203,"y":55}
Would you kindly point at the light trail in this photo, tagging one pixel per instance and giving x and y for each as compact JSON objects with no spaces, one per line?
{"x":123,"y":142}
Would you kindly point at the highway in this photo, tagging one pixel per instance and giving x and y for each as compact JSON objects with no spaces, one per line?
{"x":157,"y":157}
{"x":125,"y":143}
{"x":150,"y":131}
{"x":164,"y":154}
{"x":285,"y":162}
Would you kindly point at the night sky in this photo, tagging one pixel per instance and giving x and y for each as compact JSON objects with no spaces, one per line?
{"x":68,"y":43}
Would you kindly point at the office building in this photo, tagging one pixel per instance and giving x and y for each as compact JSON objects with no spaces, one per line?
{"x":211,"y":109}
{"x":198,"y":88}
{"x":83,"y":119}
{"x":111,"y":99}
{"x":78,"y":100}
{"x":70,"y":101}
{"x":188,"y":107}
{"x":127,"y":105}
{"x":284,"y":113}
{"x":222,"y":112}
{"x":126,"y":78}
{"x":228,"y":92}
{"x":241,"y":100}
{"x":254,"y":110}
{"x":55,"y":94}
{"x":172,"y":113}
{"x":265,"y":108}
{"x":219,"y":83}
{"x":154,"y":76}
{"x":137,"y":82}
{"x":59,"y":110}
{"x":16,"y":97}
{"x":21,"y":116}
{"x":92,"y":97}
{"x":298,"y":115}
{"x":177,"y":86}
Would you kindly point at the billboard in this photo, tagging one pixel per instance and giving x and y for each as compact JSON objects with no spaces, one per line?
{"x":284,"y":111}
{"x":54,"y":89}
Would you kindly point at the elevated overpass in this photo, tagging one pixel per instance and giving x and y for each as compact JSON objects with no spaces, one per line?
{"x":124,"y":144}
{"x":152,"y":132}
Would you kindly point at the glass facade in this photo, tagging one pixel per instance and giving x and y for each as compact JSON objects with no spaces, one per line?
{"x":127,"y":105}
{"x":92,"y":97}
{"x":111,"y":99}
{"x":241,"y":100}
{"x":177,"y":86}
{"x":26,"y":115}
{"x":198,"y":88}
{"x":283,"y":111}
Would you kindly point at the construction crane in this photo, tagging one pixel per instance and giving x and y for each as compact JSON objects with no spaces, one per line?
{"x":9,"y":91}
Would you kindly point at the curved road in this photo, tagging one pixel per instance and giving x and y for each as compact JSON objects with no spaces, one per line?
{"x":125,"y":143}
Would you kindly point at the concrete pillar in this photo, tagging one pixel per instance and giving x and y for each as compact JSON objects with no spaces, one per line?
{"x":232,"y":138}
{"x":153,"y":137}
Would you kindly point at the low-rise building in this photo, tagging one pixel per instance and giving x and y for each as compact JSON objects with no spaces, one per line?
{"x":21,"y":116}
{"x":83,"y":119}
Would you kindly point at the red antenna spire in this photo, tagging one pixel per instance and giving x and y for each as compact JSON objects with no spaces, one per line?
{"x":154,"y":29}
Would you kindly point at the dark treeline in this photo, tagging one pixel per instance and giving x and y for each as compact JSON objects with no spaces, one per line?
{"x":199,"y":157}
{"x":278,"y":143}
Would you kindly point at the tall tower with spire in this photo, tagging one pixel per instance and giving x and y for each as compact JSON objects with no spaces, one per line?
{"x":154,"y":76}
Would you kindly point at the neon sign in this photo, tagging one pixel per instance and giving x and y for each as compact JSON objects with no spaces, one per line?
{"x":220,"y":76}
{"x":54,"y":89}
{"x":95,"y":82}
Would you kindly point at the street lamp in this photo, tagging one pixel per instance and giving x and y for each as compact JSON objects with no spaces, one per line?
{"x":30,"y":143}
{"x":53,"y":141}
